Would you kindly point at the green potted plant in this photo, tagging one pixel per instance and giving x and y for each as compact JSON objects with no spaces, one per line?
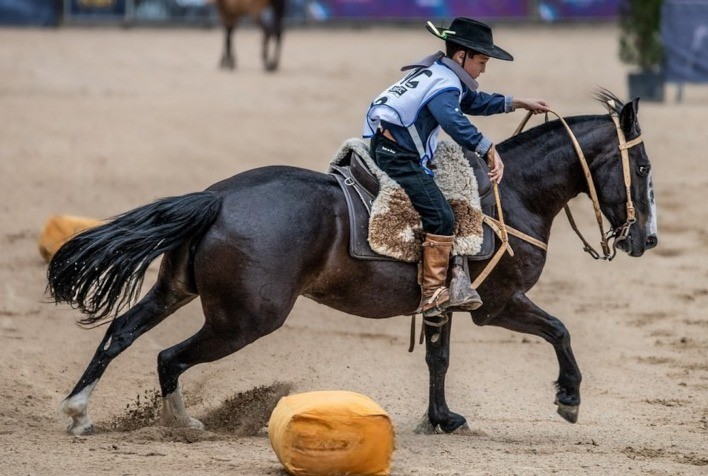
{"x":640,"y":45}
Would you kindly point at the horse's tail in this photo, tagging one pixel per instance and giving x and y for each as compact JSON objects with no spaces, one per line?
{"x":102,"y":269}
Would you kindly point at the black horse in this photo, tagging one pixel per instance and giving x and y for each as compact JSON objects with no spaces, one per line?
{"x":267,"y":13}
{"x":251,"y":244}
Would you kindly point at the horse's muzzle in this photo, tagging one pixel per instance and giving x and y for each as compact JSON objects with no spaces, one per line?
{"x":629,"y":245}
{"x":652,"y":242}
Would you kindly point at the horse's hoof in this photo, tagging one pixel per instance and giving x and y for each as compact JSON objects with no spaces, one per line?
{"x":568,"y":412}
{"x":80,"y":429}
{"x":227,"y":63}
{"x":453,"y":423}
{"x":195,"y":424}
{"x":81,"y":423}
{"x":189,"y":422}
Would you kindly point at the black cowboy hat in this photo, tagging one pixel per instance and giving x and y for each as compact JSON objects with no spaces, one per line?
{"x":471,"y":34}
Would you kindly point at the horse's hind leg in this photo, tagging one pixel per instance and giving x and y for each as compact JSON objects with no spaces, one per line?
{"x":437,"y":356}
{"x":228,"y":328}
{"x":522,"y":315}
{"x":272,"y":29}
{"x":228,"y":61}
{"x":168,"y":294}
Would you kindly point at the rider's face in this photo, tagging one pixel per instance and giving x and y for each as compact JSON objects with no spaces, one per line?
{"x":474,"y":65}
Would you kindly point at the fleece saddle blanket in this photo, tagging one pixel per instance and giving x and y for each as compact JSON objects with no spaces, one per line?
{"x":382,"y":214}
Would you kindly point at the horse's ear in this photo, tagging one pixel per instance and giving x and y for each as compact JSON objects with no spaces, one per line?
{"x":628,"y":116}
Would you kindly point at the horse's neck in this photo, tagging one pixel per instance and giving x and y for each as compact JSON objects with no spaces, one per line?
{"x":544,"y":173}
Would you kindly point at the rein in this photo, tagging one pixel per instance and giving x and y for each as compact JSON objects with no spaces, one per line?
{"x":503,"y":231}
{"x":619,"y":234}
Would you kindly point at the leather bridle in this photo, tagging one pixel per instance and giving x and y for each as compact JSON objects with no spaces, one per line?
{"x":620,"y":233}
{"x":503,"y":231}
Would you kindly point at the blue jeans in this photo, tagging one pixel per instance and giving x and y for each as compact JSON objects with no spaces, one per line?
{"x":403,"y":166}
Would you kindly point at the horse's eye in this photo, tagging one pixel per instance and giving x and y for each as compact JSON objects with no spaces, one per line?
{"x":643,"y":170}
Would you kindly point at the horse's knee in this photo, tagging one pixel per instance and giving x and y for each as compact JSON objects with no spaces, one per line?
{"x":559,"y":334}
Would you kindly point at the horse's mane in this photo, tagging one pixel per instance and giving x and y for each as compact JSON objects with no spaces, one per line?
{"x":602,"y":95}
{"x":544,"y":129}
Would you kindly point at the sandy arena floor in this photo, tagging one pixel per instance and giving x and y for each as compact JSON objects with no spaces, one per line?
{"x":95,"y":122}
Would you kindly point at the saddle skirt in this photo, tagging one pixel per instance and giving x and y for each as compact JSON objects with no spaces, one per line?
{"x":384,"y":224}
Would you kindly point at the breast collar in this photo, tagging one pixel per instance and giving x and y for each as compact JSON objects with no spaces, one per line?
{"x":428,"y":61}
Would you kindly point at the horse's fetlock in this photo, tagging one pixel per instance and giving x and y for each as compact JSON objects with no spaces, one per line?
{"x":568,"y":395}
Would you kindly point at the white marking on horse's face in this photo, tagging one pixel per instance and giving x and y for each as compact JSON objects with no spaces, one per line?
{"x":652,"y":227}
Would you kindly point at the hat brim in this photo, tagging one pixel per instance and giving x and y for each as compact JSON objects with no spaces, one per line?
{"x":492,"y":51}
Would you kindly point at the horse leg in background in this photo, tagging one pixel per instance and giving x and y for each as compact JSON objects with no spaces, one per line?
{"x":272,"y":26}
{"x":437,"y":356}
{"x":159,"y":303}
{"x":228,"y":60}
{"x":522,"y":315}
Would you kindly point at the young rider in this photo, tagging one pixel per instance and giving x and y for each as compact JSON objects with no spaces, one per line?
{"x":404,"y":122}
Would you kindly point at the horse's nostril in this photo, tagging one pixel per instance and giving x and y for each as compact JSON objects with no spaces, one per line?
{"x":652,"y":241}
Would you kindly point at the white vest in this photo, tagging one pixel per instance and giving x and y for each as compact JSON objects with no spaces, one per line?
{"x":401,"y":103}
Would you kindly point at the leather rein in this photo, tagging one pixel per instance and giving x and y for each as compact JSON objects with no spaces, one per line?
{"x":620,"y":233}
{"x":503,"y":231}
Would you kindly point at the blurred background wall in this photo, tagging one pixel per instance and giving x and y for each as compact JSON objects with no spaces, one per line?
{"x":666,"y":39}
{"x":53,"y":12}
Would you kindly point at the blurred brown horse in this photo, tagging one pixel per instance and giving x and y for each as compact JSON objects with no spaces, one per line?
{"x":271,"y":22}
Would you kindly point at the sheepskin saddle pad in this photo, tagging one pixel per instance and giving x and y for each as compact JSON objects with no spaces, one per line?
{"x":394,"y":226}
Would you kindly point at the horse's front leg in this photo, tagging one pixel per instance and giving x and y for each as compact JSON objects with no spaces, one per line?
{"x":437,"y":356}
{"x":522,"y":315}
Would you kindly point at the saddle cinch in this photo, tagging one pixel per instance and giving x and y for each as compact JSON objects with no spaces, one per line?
{"x":361,"y":187}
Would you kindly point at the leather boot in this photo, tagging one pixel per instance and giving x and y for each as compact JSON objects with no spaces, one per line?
{"x":436,"y":258}
{"x":462,"y":295}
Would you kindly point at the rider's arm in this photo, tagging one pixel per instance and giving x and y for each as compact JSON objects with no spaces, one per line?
{"x":446,"y":109}
{"x":479,"y":103}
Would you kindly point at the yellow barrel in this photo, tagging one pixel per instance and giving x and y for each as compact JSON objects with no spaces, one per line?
{"x":59,"y":229}
{"x":331,"y":433}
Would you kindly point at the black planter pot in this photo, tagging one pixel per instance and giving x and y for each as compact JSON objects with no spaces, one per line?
{"x":647,"y":85}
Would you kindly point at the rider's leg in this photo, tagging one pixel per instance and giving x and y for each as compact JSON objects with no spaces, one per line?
{"x":435,"y":295}
{"x":436,"y":215}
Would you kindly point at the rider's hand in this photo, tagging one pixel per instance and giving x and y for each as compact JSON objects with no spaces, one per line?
{"x":496,"y":166}
{"x":536,"y":106}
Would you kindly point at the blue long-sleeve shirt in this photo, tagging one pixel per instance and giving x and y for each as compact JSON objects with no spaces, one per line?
{"x":448,"y":111}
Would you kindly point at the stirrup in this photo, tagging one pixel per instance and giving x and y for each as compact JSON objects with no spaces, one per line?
{"x":462,"y":295}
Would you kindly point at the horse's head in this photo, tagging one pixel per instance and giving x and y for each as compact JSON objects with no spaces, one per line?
{"x":633,"y":218}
